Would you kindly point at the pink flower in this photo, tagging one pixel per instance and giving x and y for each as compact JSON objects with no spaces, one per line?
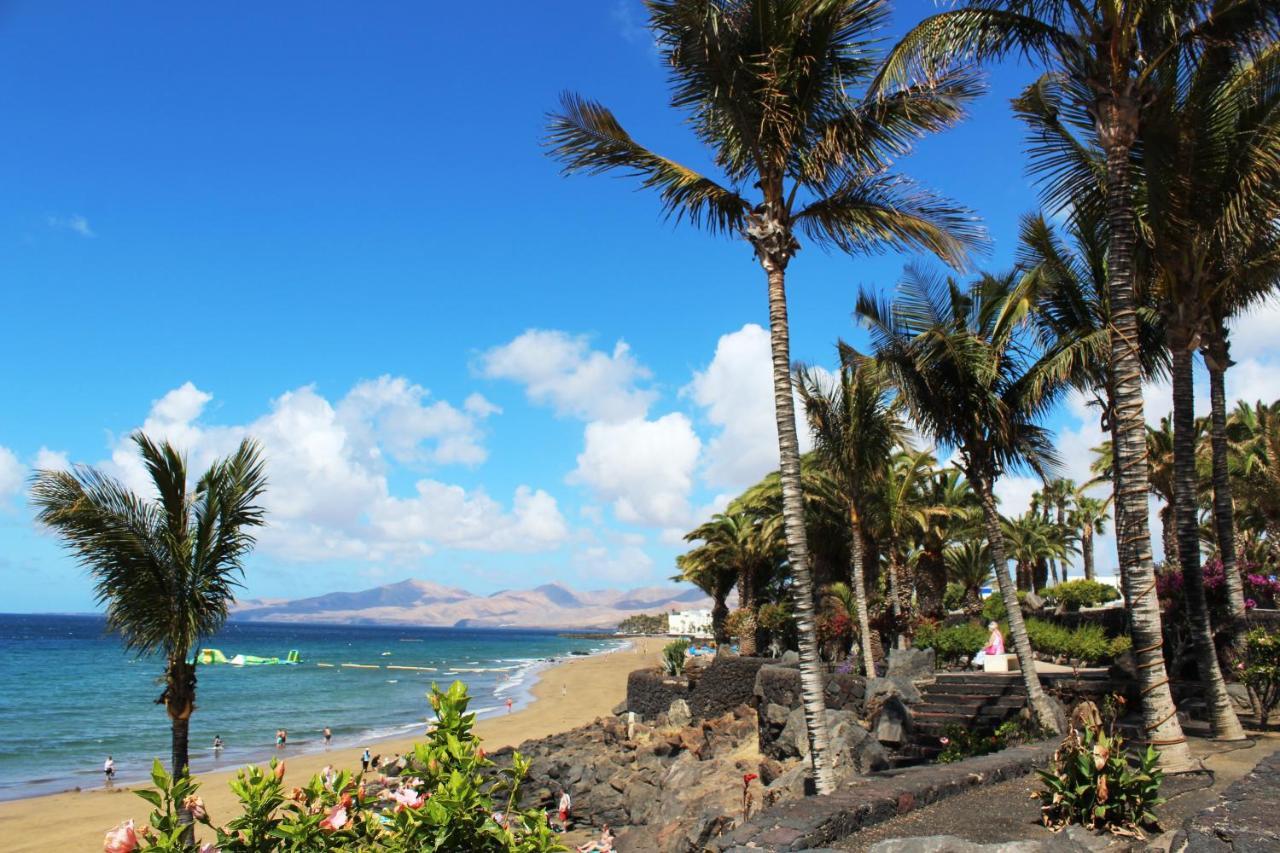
{"x":122,"y":839}
{"x":407,"y":798}
{"x":944,"y":740}
{"x":209,"y":848}
{"x":195,"y":805}
{"x":336,"y":819}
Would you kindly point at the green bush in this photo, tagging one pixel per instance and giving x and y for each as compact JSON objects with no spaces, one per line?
{"x":1087,"y":643}
{"x":451,"y":798}
{"x":993,"y":609}
{"x":959,"y":742}
{"x":1092,"y":782}
{"x":1260,"y":669}
{"x":951,"y":645}
{"x":673,"y":657}
{"x":1079,"y":593}
{"x":953,"y":598}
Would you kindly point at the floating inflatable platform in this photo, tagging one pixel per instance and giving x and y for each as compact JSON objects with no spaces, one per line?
{"x":215,"y":656}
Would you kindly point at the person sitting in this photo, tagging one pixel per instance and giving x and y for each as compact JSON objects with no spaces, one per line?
{"x":603,"y":845}
{"x":995,"y":645}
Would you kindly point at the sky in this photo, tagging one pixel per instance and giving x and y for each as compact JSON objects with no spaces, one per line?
{"x":333,"y":227}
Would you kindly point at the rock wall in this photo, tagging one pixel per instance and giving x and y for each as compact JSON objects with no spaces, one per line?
{"x":724,"y":685}
{"x":777,"y":694}
{"x":650,"y":692}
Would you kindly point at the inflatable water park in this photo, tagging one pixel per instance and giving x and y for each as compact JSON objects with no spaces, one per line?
{"x":215,"y":656}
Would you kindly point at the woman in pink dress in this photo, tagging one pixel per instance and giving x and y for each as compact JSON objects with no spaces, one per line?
{"x":995,"y":645}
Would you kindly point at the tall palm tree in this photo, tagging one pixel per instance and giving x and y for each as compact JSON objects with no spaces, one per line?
{"x":1089,"y":517}
{"x":165,"y":569}
{"x":749,"y":545}
{"x":855,"y":427}
{"x":1107,"y":56}
{"x":973,"y":380}
{"x":767,"y":86}
{"x":1212,"y":170}
{"x":1060,"y":496}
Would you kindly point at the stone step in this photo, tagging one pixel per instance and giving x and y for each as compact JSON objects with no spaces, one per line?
{"x":970,"y":689}
{"x":959,"y":700}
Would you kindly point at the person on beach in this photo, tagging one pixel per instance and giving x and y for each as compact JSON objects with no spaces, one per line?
{"x":279,"y":738}
{"x":566,"y":804}
{"x":328,"y":735}
{"x":365,"y":760}
{"x":109,"y":770}
{"x":995,"y":645}
{"x":602,"y":845}
{"x":509,"y":704}
{"x":284,"y":737}
{"x":217,"y":743}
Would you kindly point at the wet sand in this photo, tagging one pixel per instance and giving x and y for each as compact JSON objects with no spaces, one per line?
{"x":567,"y":695}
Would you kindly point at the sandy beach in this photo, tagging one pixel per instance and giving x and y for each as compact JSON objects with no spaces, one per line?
{"x":567,"y":695}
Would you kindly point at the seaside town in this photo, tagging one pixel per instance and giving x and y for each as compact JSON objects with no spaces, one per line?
{"x":885,"y":460}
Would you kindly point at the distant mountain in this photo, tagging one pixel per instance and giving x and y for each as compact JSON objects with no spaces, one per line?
{"x":419,"y":602}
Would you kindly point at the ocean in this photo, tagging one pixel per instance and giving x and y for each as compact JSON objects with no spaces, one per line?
{"x":70,"y":695}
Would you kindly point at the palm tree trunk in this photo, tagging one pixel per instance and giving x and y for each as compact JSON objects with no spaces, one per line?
{"x":811,"y":677}
{"x":1169,"y":535}
{"x":1086,"y":550}
{"x":931,"y":584}
{"x":1062,"y":528}
{"x":1037,"y":699}
{"x":179,"y":700}
{"x":1216,"y":359}
{"x":895,"y":598}
{"x":719,"y":611}
{"x":1117,"y":126}
{"x":747,"y":602}
{"x":1226,"y":725}
{"x":860,"y":592}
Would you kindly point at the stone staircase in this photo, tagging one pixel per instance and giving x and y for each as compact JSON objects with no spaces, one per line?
{"x":969,"y":700}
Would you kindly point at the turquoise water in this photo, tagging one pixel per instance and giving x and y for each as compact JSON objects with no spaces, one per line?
{"x":70,"y":695}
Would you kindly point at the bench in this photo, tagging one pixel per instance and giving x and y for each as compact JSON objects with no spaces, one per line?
{"x":1001,"y":663}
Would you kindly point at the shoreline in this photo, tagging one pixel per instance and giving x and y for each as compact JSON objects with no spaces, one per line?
{"x":565,"y":695}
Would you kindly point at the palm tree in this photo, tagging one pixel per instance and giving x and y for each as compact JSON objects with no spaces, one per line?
{"x":973,"y":380}
{"x":900,"y":514}
{"x":748,"y":545}
{"x":969,"y":564}
{"x":1107,"y":56}
{"x":165,"y":569}
{"x":1089,"y":517}
{"x":855,"y":428}
{"x":952,"y":508}
{"x":1257,"y":467}
{"x":1212,"y":173}
{"x":701,"y":568}
{"x":1030,"y":539}
{"x":1059,"y":495}
{"x":766,"y":85}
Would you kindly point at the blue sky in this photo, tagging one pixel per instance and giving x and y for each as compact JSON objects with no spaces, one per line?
{"x":331,"y":226}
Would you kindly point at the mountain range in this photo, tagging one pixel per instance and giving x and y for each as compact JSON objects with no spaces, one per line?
{"x":420,"y":602}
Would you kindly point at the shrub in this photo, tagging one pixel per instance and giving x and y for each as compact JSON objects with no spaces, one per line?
{"x":455,"y":799}
{"x":1092,"y":782}
{"x":951,"y":645}
{"x":673,"y":657}
{"x":1087,"y":643}
{"x":1080,"y":593}
{"x":1260,"y":669}
{"x":774,"y":617}
{"x":959,"y":742}
{"x":953,"y":598}
{"x":993,"y":609}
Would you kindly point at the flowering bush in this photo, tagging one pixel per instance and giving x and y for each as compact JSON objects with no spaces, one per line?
{"x":454,"y":799}
{"x":1260,"y":669}
{"x":1093,"y":783}
{"x":1260,"y":590}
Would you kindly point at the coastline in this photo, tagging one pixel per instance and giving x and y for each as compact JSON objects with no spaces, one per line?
{"x":564,"y":695}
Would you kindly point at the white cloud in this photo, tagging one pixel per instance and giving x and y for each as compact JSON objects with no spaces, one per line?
{"x":736,"y":392}
{"x":50,"y":460}
{"x":643,"y":468}
{"x":12,"y":473}
{"x":391,"y":412}
{"x":1253,"y":333}
{"x":562,"y":371}
{"x":625,"y":563}
{"x":1014,"y":493}
{"x":75,"y":223}
{"x":328,"y":495}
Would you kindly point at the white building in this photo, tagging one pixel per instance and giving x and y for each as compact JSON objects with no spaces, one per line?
{"x":689,"y":623}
